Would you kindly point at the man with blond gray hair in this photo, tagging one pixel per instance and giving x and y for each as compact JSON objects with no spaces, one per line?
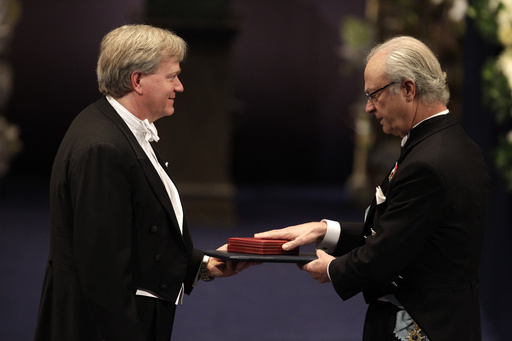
{"x":121,"y":255}
{"x":416,"y":256}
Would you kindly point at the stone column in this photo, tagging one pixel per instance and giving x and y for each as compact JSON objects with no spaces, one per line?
{"x":10,"y":143}
{"x":196,"y":140}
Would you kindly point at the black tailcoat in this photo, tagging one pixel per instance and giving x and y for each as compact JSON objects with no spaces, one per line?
{"x":113,"y":230}
{"x":423,"y":244}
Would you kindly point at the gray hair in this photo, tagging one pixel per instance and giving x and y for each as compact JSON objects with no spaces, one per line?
{"x":407,"y":57}
{"x":132,"y":48}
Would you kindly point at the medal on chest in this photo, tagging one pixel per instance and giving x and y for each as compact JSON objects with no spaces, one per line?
{"x":393,"y":171}
{"x":416,"y":335}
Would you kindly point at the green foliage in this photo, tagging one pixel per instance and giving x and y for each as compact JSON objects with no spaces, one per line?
{"x":497,"y":94}
{"x":485,"y":18}
{"x":503,"y":160}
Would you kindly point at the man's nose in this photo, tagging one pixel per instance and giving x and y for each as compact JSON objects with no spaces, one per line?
{"x":179,"y":86}
{"x":370,"y":107}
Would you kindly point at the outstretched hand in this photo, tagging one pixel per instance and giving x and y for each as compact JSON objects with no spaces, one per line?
{"x":222,"y":268}
{"x":318,"y":268}
{"x":297,"y":235}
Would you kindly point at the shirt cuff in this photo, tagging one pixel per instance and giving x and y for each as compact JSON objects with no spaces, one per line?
{"x":329,"y":271}
{"x":332,"y":235}
{"x":198,"y":275}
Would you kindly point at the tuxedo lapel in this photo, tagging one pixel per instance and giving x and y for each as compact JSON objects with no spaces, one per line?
{"x":186,"y":233}
{"x":149,"y":170}
{"x":425,"y":129}
{"x":368,"y":223}
{"x":158,"y":187}
{"x":416,"y":135}
{"x":162,"y":163}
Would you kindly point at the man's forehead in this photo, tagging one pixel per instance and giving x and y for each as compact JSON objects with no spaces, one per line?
{"x":373,"y":77}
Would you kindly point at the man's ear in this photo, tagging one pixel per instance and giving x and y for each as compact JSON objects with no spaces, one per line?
{"x":410,"y":89}
{"x":136,"y":78}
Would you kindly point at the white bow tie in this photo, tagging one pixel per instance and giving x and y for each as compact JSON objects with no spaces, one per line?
{"x":149,"y":131}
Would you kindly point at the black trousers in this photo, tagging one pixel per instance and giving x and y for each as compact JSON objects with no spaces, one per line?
{"x":156,"y":317}
{"x":380,"y":322}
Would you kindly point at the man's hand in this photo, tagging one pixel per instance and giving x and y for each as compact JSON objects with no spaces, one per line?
{"x":297,"y":235}
{"x":318,"y":268}
{"x":221,"y":268}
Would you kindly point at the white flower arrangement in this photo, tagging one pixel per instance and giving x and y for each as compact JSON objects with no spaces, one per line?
{"x":504,"y":20}
{"x":504,"y":63}
{"x":458,"y":9}
{"x":504,"y":32}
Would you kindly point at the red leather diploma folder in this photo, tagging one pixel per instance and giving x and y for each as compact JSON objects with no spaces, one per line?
{"x":259,"y":246}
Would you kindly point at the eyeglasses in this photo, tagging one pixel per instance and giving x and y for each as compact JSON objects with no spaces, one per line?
{"x":371,"y":95}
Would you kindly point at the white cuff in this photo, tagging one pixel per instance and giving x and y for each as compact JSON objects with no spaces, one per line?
{"x":332,"y":235}
{"x":329,"y":271}
{"x":198,"y":275}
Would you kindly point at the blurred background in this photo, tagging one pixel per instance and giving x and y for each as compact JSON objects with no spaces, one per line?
{"x":270,"y":131}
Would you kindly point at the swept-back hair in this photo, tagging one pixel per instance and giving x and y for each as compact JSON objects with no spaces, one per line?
{"x":407,"y":57}
{"x":132,"y":48}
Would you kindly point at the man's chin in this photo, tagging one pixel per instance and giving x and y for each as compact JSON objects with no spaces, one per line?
{"x":169,"y":112}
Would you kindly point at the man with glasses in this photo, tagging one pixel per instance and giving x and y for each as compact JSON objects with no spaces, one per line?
{"x":372,"y":95}
{"x":416,"y":256}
